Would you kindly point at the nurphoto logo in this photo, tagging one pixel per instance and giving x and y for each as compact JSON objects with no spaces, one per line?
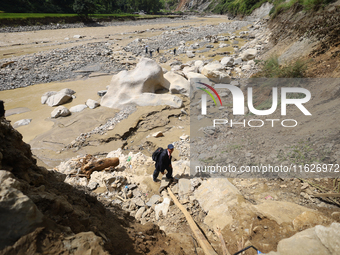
{"x":239,"y":105}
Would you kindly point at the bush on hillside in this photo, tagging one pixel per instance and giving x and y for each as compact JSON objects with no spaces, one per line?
{"x":272,"y":69}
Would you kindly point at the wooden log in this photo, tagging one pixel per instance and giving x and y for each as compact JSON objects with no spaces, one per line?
{"x":99,"y":165}
{"x":205,"y":245}
{"x":224,"y":247}
{"x":327,"y":195}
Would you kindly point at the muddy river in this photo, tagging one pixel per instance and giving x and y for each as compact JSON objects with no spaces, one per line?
{"x":25,"y":103}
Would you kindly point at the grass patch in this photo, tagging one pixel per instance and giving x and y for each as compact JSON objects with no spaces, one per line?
{"x":233,"y":147}
{"x":304,"y":152}
{"x":27,"y":19}
{"x":272,"y":69}
{"x":282,"y":5}
{"x":57,"y":15}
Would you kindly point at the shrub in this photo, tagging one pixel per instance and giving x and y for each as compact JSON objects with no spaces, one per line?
{"x":272,"y":69}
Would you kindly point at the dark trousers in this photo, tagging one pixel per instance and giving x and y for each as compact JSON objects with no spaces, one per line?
{"x":168,"y":174}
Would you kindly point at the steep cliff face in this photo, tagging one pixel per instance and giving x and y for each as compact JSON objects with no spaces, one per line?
{"x":193,"y":5}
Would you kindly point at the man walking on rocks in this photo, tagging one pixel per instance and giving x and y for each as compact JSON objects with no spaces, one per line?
{"x":164,"y":163}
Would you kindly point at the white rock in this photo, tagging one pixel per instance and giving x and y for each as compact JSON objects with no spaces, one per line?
{"x":219,"y":77}
{"x":237,"y":61}
{"x":92,"y":103}
{"x":157,"y":134}
{"x":223,"y":45}
{"x":213,"y":66}
{"x":78,"y":108}
{"x":184,"y":137}
{"x":54,"y":98}
{"x":251,"y":63}
{"x":22,"y":122}
{"x":329,"y":237}
{"x":238,"y":70}
{"x":76,"y":181}
{"x":199,"y":65}
{"x":138,"y":87}
{"x":92,"y":185}
{"x":246,"y":67}
{"x":100,"y":178}
{"x":227,"y":61}
{"x":216,"y":196}
{"x":194,"y":78}
{"x":190,"y":54}
{"x":318,"y":240}
{"x":188,"y":69}
{"x":249,"y":54}
{"x":47,"y":95}
{"x":139,"y":213}
{"x":177,"y":84}
{"x":60,"y":111}
{"x":181,"y":168}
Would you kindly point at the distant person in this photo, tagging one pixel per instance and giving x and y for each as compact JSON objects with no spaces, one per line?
{"x":174,"y":51}
{"x":158,"y":50}
{"x":2,"y":109}
{"x":163,"y":163}
{"x":151,"y":53}
{"x":146,"y":49}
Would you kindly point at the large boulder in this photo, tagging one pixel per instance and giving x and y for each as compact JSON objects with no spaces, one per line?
{"x":53,"y":98}
{"x":227,"y":61}
{"x":215,"y":72}
{"x":190,"y":54}
{"x":138,"y":87}
{"x":249,"y":54}
{"x":60,"y":111}
{"x":217,"y":196}
{"x":19,"y":215}
{"x":92,"y":103}
{"x":194,"y":78}
{"x":211,"y":67}
{"x":177,"y":83}
{"x":78,"y":108}
{"x":279,"y":211}
{"x":199,"y":65}
{"x":318,"y":240}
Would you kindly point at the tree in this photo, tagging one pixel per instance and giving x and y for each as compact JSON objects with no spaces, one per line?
{"x":84,"y":7}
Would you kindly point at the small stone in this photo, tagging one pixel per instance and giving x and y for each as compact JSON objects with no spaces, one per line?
{"x":158,"y":134}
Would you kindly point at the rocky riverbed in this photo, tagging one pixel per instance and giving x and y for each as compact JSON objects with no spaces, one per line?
{"x":259,"y":212}
{"x":104,"y":57}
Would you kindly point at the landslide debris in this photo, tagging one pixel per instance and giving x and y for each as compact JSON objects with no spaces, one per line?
{"x":43,"y":214}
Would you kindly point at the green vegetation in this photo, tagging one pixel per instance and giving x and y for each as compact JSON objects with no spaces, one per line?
{"x":232,"y":147}
{"x":282,"y":5}
{"x":235,"y":6}
{"x":245,"y":7}
{"x":33,"y":15}
{"x":304,"y":152}
{"x":272,"y":69}
{"x":82,"y":7}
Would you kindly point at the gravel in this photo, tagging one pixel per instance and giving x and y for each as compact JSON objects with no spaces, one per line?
{"x":56,"y":65}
